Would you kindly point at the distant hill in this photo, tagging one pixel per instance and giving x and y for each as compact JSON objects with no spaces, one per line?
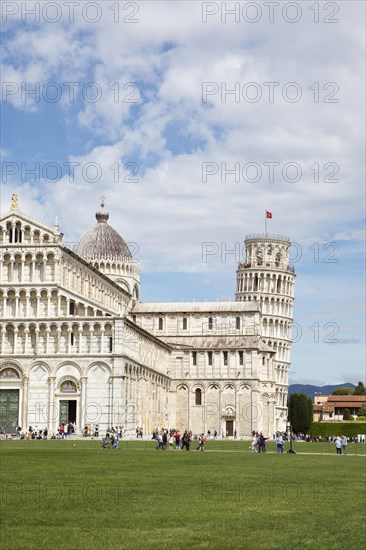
{"x":310,"y":390}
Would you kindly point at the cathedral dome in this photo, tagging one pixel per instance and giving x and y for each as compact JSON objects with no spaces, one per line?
{"x":102,"y":242}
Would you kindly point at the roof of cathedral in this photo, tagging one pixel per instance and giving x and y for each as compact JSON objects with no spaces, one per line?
{"x":217,"y":342}
{"x":102,"y":242}
{"x":194,"y":307}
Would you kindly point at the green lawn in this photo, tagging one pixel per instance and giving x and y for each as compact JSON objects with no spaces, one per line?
{"x":56,"y":496}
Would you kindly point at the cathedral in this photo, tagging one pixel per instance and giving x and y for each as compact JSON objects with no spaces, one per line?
{"x":78,"y":344}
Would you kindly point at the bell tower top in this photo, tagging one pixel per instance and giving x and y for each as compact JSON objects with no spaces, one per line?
{"x":267,"y":251}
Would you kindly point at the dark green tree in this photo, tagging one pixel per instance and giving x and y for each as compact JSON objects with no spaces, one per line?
{"x":343,"y":391}
{"x":360,"y":389}
{"x":310,"y":410}
{"x":299,"y":412}
{"x":362,"y":411}
{"x":347,"y":414}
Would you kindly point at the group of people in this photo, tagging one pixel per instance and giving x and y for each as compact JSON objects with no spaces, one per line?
{"x":258,"y":442}
{"x":31,"y":433}
{"x":66,"y":428}
{"x":341,"y":443}
{"x":111,"y":439}
{"x":170,"y":439}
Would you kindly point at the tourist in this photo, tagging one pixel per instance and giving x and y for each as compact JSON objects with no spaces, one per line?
{"x":165,"y":439}
{"x":344,"y":442}
{"x":201,"y":443}
{"x":171,"y":442}
{"x":254,"y":443}
{"x":159,"y":446}
{"x":186,"y":441}
{"x":115,"y":444}
{"x":177,"y":438}
{"x":261,"y":443}
{"x":338,"y":444}
{"x":279,"y":442}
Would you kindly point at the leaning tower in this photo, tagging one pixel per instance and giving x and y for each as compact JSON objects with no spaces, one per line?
{"x":267,"y":277}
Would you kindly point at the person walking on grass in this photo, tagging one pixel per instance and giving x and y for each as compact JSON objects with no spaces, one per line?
{"x":338,"y":444}
{"x":279,"y":442}
{"x":344,"y":442}
{"x":201,"y":443}
{"x":186,"y":441}
{"x":159,"y":446}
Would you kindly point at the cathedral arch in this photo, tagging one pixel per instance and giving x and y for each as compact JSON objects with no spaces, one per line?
{"x":10,"y":371}
{"x":198,"y":396}
{"x":98,"y":369}
{"x":39,"y":371}
{"x":70,"y":368}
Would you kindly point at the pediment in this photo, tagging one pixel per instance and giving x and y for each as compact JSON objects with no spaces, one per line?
{"x":29,"y":226}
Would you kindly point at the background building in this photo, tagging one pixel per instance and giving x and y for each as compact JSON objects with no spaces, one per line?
{"x":78,"y":345}
{"x":330,"y":408}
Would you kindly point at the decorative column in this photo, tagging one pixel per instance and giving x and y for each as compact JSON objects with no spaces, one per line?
{"x":102,"y":339}
{"x":58,"y":338}
{"x":69,"y":330}
{"x":91,"y":337}
{"x":82,"y":414}
{"x":15,"y":340}
{"x":48,"y":330}
{"x":52,"y":406}
{"x":25,"y":403}
{"x":80,"y":331}
{"x":48,"y":304}
{"x":11,"y":272}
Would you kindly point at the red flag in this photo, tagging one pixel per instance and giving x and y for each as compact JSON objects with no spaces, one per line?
{"x":268,"y":214}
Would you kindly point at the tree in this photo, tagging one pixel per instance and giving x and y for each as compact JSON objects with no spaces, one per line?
{"x":362,"y":410}
{"x":299,"y":413}
{"x":347,"y":414}
{"x":343,"y":391}
{"x":310,"y":410}
{"x":360,"y":389}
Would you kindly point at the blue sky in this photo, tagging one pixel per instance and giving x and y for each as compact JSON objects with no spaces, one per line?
{"x":178,"y":101}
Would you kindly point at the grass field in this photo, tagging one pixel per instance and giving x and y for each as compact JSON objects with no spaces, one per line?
{"x":56,"y":496}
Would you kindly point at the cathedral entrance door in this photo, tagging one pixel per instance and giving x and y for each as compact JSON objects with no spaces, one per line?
{"x":67,"y":411}
{"x":9,"y":410}
{"x":229,"y":428}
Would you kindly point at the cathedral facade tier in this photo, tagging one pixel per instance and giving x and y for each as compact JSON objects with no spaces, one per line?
{"x":77,"y":344}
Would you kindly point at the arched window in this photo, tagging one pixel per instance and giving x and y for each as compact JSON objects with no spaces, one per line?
{"x":198,"y":396}
{"x":210,"y":323}
{"x":160,"y":325}
{"x":237,"y":322}
{"x":185,"y":323}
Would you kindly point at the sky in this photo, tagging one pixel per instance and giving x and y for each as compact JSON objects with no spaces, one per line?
{"x":193,"y":118}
